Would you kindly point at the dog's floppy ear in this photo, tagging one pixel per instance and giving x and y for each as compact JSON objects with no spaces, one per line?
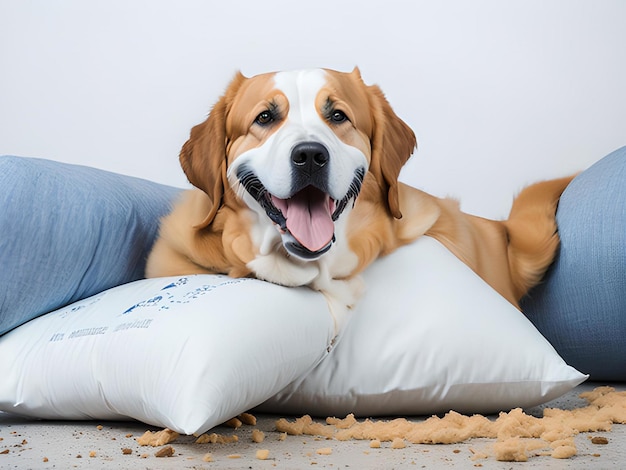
{"x":393,"y":142}
{"x":203,"y":156}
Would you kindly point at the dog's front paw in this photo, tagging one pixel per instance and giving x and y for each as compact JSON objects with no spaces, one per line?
{"x":278,"y":269}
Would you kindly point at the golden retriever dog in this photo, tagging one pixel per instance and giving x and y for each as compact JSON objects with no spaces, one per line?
{"x":297,"y":177}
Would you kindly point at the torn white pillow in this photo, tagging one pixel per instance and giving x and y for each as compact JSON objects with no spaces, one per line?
{"x":185,"y":352}
{"x":430,"y":336}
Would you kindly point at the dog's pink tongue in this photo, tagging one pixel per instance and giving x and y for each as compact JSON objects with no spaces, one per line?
{"x":309,"y":220}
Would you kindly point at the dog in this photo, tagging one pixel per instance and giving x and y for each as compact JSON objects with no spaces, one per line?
{"x":297,"y":184}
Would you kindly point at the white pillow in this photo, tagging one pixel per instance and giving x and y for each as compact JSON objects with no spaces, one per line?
{"x":430,"y":336}
{"x":185,"y":353}
{"x":188,"y":353}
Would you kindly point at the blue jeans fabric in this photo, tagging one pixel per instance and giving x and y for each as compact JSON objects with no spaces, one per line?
{"x":581,"y":305}
{"x":68,"y":232}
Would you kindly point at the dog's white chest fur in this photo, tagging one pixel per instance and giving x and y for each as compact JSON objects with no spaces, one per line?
{"x":326,"y":274}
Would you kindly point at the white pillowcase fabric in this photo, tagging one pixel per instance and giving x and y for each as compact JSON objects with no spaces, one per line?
{"x":430,"y":336}
{"x":188,"y":353}
{"x":185,"y":353}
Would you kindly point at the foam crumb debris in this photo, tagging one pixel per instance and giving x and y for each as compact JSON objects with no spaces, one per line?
{"x":234,"y":423}
{"x":157,"y":438}
{"x":599,"y":440}
{"x":398,"y":443}
{"x":215,"y":438}
{"x":258,"y":436}
{"x":166,"y":451}
{"x":262,"y":454}
{"x":239,"y":420}
{"x":516,"y":449}
{"x":345,"y":423}
{"x":564,"y":452}
{"x":305,"y":425}
{"x":247,"y":419}
{"x":518,"y":436}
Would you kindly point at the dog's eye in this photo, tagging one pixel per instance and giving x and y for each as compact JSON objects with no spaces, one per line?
{"x":337,"y":117}
{"x":264,"y":118}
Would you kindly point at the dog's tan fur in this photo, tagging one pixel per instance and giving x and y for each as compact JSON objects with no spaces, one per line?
{"x":209,"y":230}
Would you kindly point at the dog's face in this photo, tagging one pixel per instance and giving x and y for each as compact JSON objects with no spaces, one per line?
{"x":295,"y":148}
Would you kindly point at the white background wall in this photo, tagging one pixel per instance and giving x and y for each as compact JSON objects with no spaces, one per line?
{"x":500,"y":93}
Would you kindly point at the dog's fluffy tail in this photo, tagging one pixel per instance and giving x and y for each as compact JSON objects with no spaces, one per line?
{"x":532,"y":232}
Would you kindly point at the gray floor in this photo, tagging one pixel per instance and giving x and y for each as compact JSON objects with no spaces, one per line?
{"x":26,"y":444}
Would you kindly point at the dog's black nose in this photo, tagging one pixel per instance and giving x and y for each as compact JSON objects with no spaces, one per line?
{"x":309,"y":157}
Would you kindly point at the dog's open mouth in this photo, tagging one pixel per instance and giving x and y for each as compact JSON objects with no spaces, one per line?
{"x":306,"y":219}
{"x":308,"y":215}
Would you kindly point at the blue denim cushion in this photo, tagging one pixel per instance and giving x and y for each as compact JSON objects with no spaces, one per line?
{"x":581,"y":306}
{"x":68,"y":232}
